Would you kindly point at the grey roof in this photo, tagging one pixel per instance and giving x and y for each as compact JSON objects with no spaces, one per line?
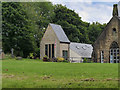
{"x":60,"y":33}
{"x":84,"y":50}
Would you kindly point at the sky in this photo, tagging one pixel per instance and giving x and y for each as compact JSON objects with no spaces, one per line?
{"x":90,"y":10}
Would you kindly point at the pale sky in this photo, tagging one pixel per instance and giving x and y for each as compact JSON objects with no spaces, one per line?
{"x":90,"y":10}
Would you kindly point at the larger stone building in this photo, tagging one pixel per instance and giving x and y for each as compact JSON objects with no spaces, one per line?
{"x":107,"y":46}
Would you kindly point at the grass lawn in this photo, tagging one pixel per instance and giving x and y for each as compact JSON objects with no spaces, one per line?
{"x":28,"y":73}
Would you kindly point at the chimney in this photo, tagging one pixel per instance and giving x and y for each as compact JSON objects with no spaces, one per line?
{"x":115,"y":10}
{"x":119,"y":8}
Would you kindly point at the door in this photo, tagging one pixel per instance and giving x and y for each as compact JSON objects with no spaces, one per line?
{"x":65,"y":54}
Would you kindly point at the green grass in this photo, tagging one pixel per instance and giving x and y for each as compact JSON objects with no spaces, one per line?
{"x":28,"y":73}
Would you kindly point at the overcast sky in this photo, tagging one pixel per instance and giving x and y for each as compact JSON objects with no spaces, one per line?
{"x":90,"y":10}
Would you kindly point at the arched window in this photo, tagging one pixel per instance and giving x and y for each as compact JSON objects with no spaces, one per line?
{"x":114,"y":45}
{"x":114,"y":53}
{"x":114,"y":31}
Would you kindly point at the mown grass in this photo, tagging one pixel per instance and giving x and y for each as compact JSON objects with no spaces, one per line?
{"x":28,"y":73}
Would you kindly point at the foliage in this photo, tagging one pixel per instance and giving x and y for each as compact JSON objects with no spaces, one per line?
{"x":53,"y":59}
{"x":84,"y":60}
{"x":60,"y":59}
{"x":37,"y":52}
{"x":45,"y":58}
{"x":16,"y":29}
{"x":25,"y":23}
{"x":31,"y":55}
{"x":94,"y":31}
{"x":76,"y":29}
{"x":40,"y":14}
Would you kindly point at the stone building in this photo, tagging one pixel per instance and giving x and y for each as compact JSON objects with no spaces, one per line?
{"x":107,"y":45}
{"x":55,"y":43}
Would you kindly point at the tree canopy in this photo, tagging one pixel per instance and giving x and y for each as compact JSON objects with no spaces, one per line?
{"x":23,"y":25}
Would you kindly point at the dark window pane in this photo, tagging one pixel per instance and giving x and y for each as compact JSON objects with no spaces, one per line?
{"x":117,"y":57}
{"x":46,"y":49}
{"x":49,"y":50}
{"x":52,"y":50}
{"x":111,"y":50}
{"x":114,"y":57}
{"x":114,"y":61}
{"x":117,"y":50}
{"x":65,"y":54}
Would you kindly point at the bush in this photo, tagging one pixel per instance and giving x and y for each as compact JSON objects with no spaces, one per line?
{"x":31,"y":56}
{"x":45,"y":58}
{"x":60,"y":59}
{"x":65,"y":60}
{"x":91,"y":62}
{"x":37,"y":52}
{"x":84,"y":60}
{"x":53,"y":59}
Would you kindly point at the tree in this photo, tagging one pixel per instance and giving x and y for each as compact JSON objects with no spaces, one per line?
{"x":40,"y":14}
{"x":94,"y":31}
{"x":16,"y":29}
{"x":24,"y":24}
{"x":74,"y":27}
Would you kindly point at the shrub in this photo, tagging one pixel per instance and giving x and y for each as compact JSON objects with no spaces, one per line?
{"x":35,"y":55}
{"x":60,"y":59}
{"x":53,"y":59}
{"x":84,"y":60}
{"x":45,"y":58}
{"x":91,"y":61}
{"x":65,"y":60}
{"x":31,"y":56}
{"x":37,"y":52}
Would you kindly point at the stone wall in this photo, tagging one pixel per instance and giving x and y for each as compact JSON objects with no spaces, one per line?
{"x":64,"y":46}
{"x":50,"y":38}
{"x":105,"y":40}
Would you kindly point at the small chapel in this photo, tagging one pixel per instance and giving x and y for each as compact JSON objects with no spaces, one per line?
{"x":106,"y":48}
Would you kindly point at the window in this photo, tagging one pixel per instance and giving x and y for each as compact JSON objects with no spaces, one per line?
{"x":114,"y":53}
{"x":65,"y":54}
{"x":114,"y":31}
{"x":46,"y":49}
{"x":102,"y":56}
{"x":52,"y":50}
{"x":49,"y":50}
